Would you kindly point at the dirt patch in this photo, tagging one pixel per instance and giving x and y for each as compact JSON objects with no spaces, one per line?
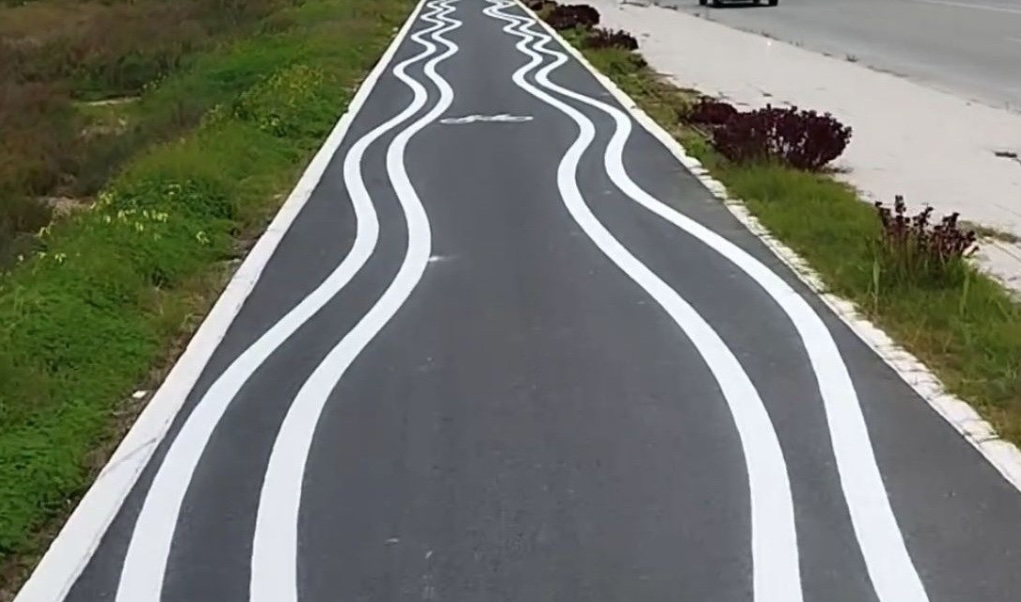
{"x":62,"y":206}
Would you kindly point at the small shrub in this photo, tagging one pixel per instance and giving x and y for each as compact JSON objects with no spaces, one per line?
{"x":793,"y":137}
{"x":912,"y":249}
{"x":540,"y":5}
{"x":604,"y":38}
{"x":710,"y":112}
{"x":564,"y":17}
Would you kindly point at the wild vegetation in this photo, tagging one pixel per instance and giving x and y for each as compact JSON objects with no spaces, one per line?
{"x":70,"y":75}
{"x":169,"y":132}
{"x":913,"y":249}
{"x":605,"y":38}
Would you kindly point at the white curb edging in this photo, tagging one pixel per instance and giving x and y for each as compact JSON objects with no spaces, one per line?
{"x":1003,"y":455}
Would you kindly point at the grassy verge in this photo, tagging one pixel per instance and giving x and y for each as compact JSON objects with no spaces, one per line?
{"x":969,"y":334}
{"x":100,"y":307}
{"x":75,"y":101}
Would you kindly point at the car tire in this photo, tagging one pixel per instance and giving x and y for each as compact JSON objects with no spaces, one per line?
{"x":703,"y":2}
{"x":774,"y":2}
{"x":717,"y":3}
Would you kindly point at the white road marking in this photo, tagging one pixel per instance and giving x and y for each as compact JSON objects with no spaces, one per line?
{"x":149,"y":549}
{"x":972,"y":6}
{"x":274,"y":575}
{"x":74,"y":546}
{"x":889,"y":564}
{"x":776,"y":571}
{"x":501,"y":118}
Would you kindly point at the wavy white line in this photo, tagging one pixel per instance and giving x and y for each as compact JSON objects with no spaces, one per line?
{"x":893,"y":574}
{"x":149,"y":549}
{"x":275,"y":549}
{"x":776,"y":572}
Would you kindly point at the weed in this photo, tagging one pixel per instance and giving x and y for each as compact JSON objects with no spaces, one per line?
{"x":603,"y":38}
{"x":710,"y":112}
{"x":913,"y":251}
{"x":289,"y":104}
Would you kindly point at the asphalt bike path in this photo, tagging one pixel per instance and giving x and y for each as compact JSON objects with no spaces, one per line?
{"x":511,"y":350}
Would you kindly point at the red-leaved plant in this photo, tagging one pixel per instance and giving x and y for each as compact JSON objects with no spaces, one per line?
{"x":913,"y":249}
{"x":710,"y":112}
{"x":572,"y":16}
{"x":604,"y":38}
{"x":800,"y":139}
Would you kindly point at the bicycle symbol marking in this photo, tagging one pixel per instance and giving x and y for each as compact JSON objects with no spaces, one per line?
{"x":501,"y":118}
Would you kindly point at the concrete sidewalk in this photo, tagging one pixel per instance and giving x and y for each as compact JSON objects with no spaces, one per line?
{"x":932,"y":147}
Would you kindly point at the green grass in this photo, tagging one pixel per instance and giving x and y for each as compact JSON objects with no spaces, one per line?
{"x":102,"y":307}
{"x":969,"y":333}
{"x":59,"y":58}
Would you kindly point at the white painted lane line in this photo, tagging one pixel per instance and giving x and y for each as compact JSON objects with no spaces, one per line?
{"x":274,"y":576}
{"x":149,"y":549}
{"x":77,"y":541}
{"x":776,"y":572}
{"x":890,"y":567}
{"x":972,"y":6}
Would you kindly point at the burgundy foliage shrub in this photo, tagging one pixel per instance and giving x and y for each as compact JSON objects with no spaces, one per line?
{"x":710,"y":112}
{"x":801,"y":139}
{"x":604,"y":38}
{"x":914,"y":248}
{"x":572,"y":16}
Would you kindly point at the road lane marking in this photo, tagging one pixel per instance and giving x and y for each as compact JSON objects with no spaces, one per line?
{"x":274,"y":563}
{"x":970,"y":6}
{"x":776,"y":572}
{"x":149,"y":549}
{"x":77,"y":541}
{"x":893,"y":574}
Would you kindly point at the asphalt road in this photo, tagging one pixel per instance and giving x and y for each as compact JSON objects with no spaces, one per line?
{"x":531,"y":358}
{"x":971,"y":48}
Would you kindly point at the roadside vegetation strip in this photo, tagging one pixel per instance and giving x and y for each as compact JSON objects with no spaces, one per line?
{"x":100,"y":304}
{"x":74,"y":105}
{"x":960,"y":322}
